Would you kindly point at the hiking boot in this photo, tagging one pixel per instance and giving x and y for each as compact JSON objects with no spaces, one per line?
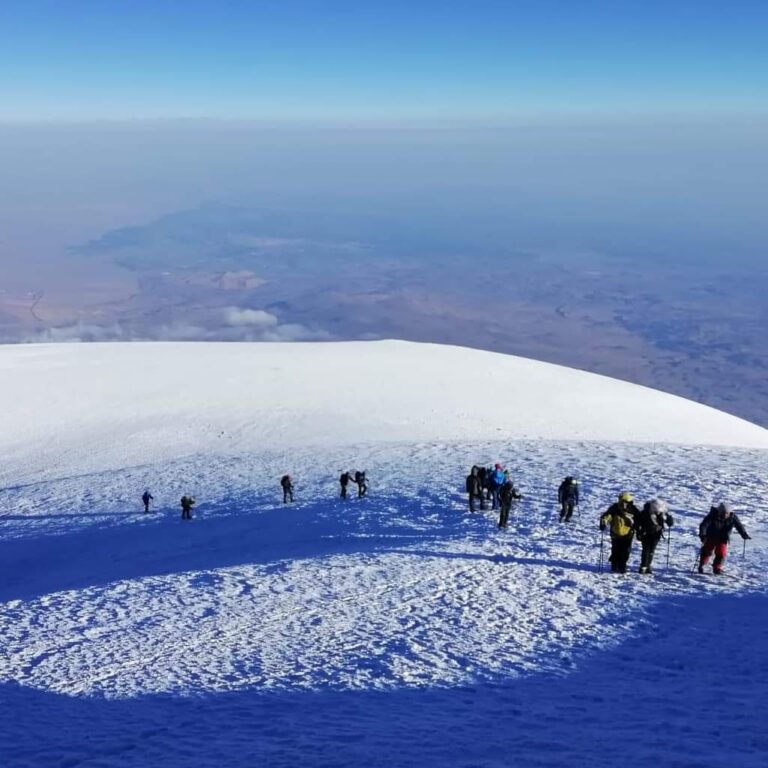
{"x":642,"y":569}
{"x":701,"y":569}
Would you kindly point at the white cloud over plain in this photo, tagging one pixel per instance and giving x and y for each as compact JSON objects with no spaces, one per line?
{"x":226,"y":324}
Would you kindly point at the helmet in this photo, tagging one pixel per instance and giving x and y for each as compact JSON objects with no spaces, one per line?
{"x":626,"y":496}
{"x":658,"y":507}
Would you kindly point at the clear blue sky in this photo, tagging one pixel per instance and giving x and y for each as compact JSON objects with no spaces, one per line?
{"x":364,"y":59}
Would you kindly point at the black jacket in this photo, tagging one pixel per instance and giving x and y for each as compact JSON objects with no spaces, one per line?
{"x":474,"y":486}
{"x":717,"y":526}
{"x":650,"y":525}
{"x":508,"y":492}
{"x":568,"y":491}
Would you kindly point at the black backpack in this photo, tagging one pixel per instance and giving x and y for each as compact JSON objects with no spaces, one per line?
{"x":650,"y":522}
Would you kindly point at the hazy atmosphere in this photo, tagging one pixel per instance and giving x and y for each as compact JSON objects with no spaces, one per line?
{"x":566,"y":184}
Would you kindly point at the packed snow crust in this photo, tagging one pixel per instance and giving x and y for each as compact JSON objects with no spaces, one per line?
{"x":395,"y":630}
{"x":79,"y":407}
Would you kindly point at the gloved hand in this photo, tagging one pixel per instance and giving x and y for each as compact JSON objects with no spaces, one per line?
{"x":747,"y":536}
{"x":702,"y":539}
{"x":602,"y":526}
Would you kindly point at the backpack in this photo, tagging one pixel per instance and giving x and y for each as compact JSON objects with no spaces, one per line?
{"x":650,"y":523}
{"x":285,"y":481}
{"x":507,"y":492}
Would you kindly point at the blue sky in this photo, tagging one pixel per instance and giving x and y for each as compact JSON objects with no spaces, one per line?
{"x":305,"y":59}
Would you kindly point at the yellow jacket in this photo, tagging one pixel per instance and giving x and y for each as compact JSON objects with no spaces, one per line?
{"x":621,"y":521}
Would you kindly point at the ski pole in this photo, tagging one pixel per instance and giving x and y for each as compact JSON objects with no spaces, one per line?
{"x":744,"y":550}
{"x":669,"y":538}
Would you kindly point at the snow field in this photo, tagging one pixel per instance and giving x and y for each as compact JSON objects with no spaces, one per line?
{"x":81,"y":408}
{"x":405,"y":588}
{"x":395,"y":630}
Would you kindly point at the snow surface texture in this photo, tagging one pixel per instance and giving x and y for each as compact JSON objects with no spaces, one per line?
{"x":84,"y":407}
{"x":398,"y":629}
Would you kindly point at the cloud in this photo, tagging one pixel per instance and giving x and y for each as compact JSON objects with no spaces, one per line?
{"x":251,"y":317}
{"x":78,"y":332}
{"x":227,"y":324}
{"x":258,"y":325}
{"x":296,"y":332}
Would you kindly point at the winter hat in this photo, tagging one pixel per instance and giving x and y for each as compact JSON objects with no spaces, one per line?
{"x":724,"y":508}
{"x":658,"y":507}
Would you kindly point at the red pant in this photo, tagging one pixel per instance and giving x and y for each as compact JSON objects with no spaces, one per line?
{"x":720,"y":548}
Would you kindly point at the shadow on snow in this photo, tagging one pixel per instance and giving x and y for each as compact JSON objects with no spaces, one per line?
{"x":683,"y":692}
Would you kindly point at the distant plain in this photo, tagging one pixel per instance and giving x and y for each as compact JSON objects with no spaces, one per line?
{"x":614,"y":248}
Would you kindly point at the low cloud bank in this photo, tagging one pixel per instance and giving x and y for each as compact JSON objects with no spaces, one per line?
{"x":227,"y":324}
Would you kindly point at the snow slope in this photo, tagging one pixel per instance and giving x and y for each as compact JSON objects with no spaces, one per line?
{"x":80,"y":407}
{"x":398,"y":629}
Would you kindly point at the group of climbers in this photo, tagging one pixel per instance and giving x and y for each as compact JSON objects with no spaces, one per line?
{"x":624,"y":520}
{"x":345,"y":479}
{"x":492,"y":484}
{"x":286,"y":483}
{"x":187,"y":502}
{"x":358,"y":478}
{"x":648,"y":524}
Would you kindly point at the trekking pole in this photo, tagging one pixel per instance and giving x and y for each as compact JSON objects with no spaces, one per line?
{"x":669,"y":538}
{"x":744,"y":550}
{"x":602,"y":539}
{"x":696,"y":560}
